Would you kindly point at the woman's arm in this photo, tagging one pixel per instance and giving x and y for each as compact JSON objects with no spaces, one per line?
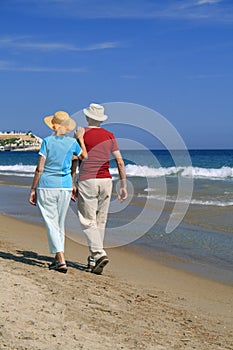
{"x":73,"y":174}
{"x":39,"y":170}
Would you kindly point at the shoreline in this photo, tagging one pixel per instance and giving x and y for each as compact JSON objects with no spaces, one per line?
{"x":76,"y":251}
{"x":136,"y":304}
{"x":161,"y":252}
{"x":152,"y":255}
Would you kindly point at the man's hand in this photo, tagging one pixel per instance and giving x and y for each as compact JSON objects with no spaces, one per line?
{"x":79,"y":133}
{"x":122,"y":195}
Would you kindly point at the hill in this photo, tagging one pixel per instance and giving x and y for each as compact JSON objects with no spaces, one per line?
{"x":19,"y":141}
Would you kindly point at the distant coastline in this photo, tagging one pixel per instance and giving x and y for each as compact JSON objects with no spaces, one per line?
{"x":19,"y":141}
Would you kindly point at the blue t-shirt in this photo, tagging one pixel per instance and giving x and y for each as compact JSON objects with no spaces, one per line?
{"x":58,"y":151}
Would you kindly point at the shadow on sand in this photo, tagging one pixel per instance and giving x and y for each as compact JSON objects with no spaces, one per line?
{"x":32,"y":258}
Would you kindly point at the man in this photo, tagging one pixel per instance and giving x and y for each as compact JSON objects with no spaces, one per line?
{"x":95,"y":184}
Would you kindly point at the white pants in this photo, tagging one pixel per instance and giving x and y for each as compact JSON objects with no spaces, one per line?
{"x":53,"y":204}
{"x":93,"y":203}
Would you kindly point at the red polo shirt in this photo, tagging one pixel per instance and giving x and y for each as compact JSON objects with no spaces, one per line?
{"x":99,"y":143}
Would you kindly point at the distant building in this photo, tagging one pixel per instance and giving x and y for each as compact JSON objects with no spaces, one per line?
{"x":18,"y":140}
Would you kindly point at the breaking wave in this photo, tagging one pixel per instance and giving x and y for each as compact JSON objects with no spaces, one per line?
{"x":139,"y":171}
{"x":194,"y":172}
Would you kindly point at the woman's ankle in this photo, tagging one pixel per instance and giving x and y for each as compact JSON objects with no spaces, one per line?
{"x":60,"y":258}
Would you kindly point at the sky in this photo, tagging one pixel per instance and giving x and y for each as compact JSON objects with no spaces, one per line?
{"x":171,"y":56}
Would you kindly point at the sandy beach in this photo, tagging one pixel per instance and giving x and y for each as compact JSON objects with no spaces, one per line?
{"x":136,"y":304}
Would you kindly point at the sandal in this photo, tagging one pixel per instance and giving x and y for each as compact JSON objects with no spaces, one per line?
{"x":60,"y":267}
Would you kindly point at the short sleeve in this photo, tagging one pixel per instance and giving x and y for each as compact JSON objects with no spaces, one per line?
{"x":78,"y":149}
{"x":114,"y":144}
{"x":43,"y":149}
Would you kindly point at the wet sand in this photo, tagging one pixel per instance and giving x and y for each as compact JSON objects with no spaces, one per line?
{"x":136,"y":304}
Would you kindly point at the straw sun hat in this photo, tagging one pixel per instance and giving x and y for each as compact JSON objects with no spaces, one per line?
{"x":60,"y":117}
{"x":96,"y":112}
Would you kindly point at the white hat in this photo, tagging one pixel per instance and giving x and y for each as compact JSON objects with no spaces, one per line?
{"x":95,"y":112}
{"x":60,"y":117}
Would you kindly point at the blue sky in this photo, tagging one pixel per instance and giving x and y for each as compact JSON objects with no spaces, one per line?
{"x":175,"y":57}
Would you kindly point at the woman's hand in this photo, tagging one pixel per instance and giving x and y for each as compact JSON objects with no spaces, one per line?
{"x":33,"y":197}
{"x":74,"y":193}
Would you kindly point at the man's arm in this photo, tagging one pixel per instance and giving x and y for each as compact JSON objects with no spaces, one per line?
{"x":122,"y":195}
{"x":78,"y":134}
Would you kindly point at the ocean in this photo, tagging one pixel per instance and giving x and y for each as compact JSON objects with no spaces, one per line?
{"x":176,"y":212}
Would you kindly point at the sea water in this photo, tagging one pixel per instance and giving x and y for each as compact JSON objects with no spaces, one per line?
{"x":203,"y":240}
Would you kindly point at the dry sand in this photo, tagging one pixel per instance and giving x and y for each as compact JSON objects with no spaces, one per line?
{"x":136,"y":304}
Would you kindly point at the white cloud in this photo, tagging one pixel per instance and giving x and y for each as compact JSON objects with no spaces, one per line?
{"x":102,"y":46}
{"x":204,"y":2}
{"x":10,"y":66}
{"x":127,"y":9}
{"x":24,"y":43}
{"x":4,"y":65}
{"x":129,"y":76}
{"x":209,"y":76}
{"x":49,"y":69}
{"x":139,"y":9}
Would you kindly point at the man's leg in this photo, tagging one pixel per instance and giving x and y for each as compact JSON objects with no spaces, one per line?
{"x":105,"y":192}
{"x":87,"y":209}
{"x":104,"y":196}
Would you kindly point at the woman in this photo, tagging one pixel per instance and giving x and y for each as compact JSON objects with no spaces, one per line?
{"x":52,"y":186}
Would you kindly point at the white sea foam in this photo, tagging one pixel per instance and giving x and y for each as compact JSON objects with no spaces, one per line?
{"x":17,"y":174}
{"x":217,"y":203}
{"x":18,"y":168}
{"x":141,"y":171}
{"x":211,"y":173}
{"x":145,"y":171}
{"x":209,"y":202}
{"x":195,"y":172}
